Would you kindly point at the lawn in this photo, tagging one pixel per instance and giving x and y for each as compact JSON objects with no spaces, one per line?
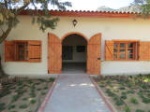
{"x":24,"y":95}
{"x":127,"y":93}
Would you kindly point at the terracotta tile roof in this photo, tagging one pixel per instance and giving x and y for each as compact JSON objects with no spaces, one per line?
{"x":79,"y":13}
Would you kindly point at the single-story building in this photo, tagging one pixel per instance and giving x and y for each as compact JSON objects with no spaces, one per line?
{"x":105,"y":43}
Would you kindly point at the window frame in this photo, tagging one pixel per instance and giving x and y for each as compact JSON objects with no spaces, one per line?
{"x":126,"y":43}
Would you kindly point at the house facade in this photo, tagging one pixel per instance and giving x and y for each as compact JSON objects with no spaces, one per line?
{"x":108,"y":43}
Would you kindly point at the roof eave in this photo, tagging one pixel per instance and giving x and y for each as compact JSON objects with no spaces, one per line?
{"x":101,"y":14}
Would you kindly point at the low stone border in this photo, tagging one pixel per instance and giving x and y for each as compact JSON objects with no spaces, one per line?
{"x":104,"y":97}
{"x":44,"y":103}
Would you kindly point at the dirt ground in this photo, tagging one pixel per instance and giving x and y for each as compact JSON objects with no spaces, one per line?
{"x":24,"y":96}
{"x":127,"y":93}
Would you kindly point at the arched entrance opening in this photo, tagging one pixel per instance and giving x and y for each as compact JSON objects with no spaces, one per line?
{"x":74,"y":53}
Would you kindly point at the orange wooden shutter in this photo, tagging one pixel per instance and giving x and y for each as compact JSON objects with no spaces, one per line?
{"x":9,"y":51}
{"x":144,"y":51}
{"x":54,"y":54}
{"x":93,"y":55}
{"x":34,"y":51}
{"x":109,"y":48}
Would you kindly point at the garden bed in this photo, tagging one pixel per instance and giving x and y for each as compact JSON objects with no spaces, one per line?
{"x":24,"y":95}
{"x":127,"y":93}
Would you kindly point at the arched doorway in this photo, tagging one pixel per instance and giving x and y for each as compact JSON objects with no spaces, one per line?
{"x":88,"y":53}
{"x":74,"y":53}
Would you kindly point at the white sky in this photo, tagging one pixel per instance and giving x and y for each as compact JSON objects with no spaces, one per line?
{"x":94,"y":4}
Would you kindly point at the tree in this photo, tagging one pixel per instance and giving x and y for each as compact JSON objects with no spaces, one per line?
{"x":10,"y":9}
{"x":144,"y":7}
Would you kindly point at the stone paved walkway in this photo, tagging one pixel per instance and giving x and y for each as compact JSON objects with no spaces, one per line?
{"x":74,"y":92}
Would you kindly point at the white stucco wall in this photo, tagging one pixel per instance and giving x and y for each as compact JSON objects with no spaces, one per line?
{"x":110,"y":28}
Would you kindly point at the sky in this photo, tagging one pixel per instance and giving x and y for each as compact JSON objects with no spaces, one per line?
{"x":94,"y":4}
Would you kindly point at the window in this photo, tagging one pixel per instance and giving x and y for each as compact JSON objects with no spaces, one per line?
{"x":125,"y":50}
{"x":27,"y":51}
{"x":121,"y":50}
{"x":80,"y":49}
{"x":21,"y":51}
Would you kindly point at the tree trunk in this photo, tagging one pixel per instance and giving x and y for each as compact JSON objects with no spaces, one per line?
{"x":2,"y":73}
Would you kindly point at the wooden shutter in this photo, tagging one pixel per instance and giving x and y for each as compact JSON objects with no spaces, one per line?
{"x":34,"y":51}
{"x":54,"y":54}
{"x":144,"y":51}
{"x":109,"y":49}
{"x":9,"y":51}
{"x":93,"y":55}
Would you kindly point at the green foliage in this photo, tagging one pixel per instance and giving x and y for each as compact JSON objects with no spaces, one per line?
{"x":23,"y":106}
{"x":15,"y":98}
{"x":5,"y":92}
{"x":144,"y":7}
{"x":25,"y":99}
{"x":119,"y":102}
{"x":134,"y":100}
{"x":139,"y":110}
{"x":145,"y":100}
{"x":110,"y":93}
{"x":123,"y":97}
{"x":51,"y":79}
{"x":33,"y":101}
{"x":9,"y":11}
{"x":43,"y":93}
{"x":2,"y":106}
{"x":11,"y":107}
{"x":127,"y":109}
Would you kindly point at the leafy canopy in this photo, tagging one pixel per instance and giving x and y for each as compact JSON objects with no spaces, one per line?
{"x":10,"y":9}
{"x":145,"y":7}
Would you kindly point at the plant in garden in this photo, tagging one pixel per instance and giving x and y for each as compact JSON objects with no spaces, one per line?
{"x":134,"y":100}
{"x":110,"y":93}
{"x":25,"y":99}
{"x":11,"y":106}
{"x":118,"y":101}
{"x":51,"y":79}
{"x":2,"y":106}
{"x":23,"y":106}
{"x":139,"y":110}
{"x":127,"y":109}
{"x":43,"y":93}
{"x":15,"y":98}
{"x":33,"y":101}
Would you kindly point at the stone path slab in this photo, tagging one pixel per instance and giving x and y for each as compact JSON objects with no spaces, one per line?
{"x":74,"y":92}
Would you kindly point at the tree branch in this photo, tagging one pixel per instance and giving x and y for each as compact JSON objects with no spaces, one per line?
{"x":5,"y":34}
{"x":2,"y":30}
{"x":21,"y":8}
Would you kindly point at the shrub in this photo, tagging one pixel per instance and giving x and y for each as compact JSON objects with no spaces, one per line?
{"x":15,"y":98}
{"x":139,"y":110}
{"x":33,"y":101}
{"x":2,"y":106}
{"x":51,"y":79}
{"x":11,"y":107}
{"x":119,"y":102}
{"x":23,"y":106}
{"x":127,"y":109}
{"x":134,"y":100}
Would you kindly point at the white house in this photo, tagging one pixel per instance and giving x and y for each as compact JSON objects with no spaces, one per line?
{"x":105,"y":43}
